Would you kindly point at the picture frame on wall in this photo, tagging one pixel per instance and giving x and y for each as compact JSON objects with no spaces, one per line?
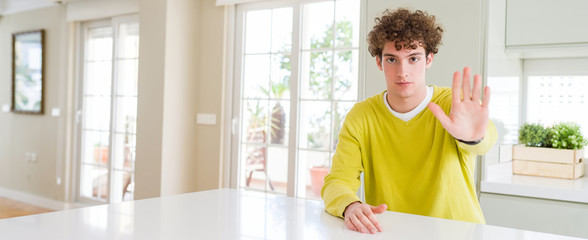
{"x":27,"y":71}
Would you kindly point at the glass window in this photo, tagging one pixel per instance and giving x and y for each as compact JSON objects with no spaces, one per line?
{"x":554,"y":99}
{"x":504,"y":108}
{"x":307,"y":70}
{"x":553,"y":91}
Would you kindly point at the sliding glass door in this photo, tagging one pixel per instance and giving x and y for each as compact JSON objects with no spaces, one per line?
{"x":107,"y":109}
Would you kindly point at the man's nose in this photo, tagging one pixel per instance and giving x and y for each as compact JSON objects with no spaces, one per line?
{"x":402,"y":70}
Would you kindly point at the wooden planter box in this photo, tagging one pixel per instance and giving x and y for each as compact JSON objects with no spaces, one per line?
{"x":547,"y":162}
{"x":545,"y":169}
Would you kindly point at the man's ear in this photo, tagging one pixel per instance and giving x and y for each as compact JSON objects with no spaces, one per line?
{"x":429,"y":60}
{"x":379,"y":62}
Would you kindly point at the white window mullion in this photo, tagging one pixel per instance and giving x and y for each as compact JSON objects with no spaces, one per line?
{"x":113,"y":111}
{"x":237,"y":94}
{"x":292,"y":190}
{"x":268,"y":126}
{"x":524,"y":88}
{"x":333,"y":71}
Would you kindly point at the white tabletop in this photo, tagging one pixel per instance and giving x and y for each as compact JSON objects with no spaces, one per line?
{"x":236,"y":214}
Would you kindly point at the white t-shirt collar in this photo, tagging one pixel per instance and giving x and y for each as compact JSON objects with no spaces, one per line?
{"x":412,"y":113}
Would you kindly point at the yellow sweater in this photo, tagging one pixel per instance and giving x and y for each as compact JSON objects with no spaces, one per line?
{"x":414,"y":167}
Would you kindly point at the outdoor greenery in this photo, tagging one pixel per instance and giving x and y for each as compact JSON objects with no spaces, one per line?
{"x":321,"y":70}
{"x":564,"y":135}
{"x":257,"y":122}
{"x":278,"y":115}
{"x":321,"y":82}
{"x":321,"y":79}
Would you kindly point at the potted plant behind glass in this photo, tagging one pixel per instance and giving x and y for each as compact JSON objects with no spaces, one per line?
{"x":100,"y":153}
{"x":550,"y":152}
{"x":317,"y":176}
{"x":318,"y":138}
{"x":278,"y":117}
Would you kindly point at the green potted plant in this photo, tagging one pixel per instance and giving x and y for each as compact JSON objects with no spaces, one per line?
{"x":533,"y":135}
{"x":566,"y":135}
{"x":555,"y":151}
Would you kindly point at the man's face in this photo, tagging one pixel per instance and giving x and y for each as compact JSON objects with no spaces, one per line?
{"x":404,"y":70}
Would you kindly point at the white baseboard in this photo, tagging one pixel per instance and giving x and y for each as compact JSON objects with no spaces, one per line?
{"x":38,"y":200}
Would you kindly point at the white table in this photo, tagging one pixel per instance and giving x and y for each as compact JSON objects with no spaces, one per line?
{"x":236,"y":214}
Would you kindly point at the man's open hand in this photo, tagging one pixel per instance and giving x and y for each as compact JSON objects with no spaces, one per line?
{"x":467,"y":118}
{"x":361,"y":217}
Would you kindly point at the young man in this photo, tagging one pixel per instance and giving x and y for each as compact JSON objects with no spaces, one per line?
{"x":415,"y":144}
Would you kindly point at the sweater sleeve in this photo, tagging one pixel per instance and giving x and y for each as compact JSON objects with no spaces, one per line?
{"x":484,"y":146}
{"x":342,"y":182}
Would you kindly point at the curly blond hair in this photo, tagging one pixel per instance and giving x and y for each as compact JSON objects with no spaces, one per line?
{"x":407,"y":30}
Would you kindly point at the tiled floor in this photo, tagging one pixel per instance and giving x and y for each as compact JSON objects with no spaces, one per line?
{"x":10,"y":208}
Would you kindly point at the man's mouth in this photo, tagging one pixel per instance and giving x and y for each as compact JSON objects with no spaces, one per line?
{"x":403,"y":83}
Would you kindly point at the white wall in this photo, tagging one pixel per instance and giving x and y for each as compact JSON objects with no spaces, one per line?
{"x":96,"y":9}
{"x":180,"y":75}
{"x":43,"y":135}
{"x":179,"y":162}
{"x":499,"y":63}
{"x":150,"y":98}
{"x":210,"y":95}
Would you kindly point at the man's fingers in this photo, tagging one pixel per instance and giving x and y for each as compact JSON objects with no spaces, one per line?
{"x":379,"y":209}
{"x":439,"y":113}
{"x":358,"y":224}
{"x":456,"y":87}
{"x":366,"y":220}
{"x":362,"y":218}
{"x":486,"y":100}
{"x":467,"y":91}
{"x":477,"y":88}
{"x":372,"y":218}
{"x":349,"y":224}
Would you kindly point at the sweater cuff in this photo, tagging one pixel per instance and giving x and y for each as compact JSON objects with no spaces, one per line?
{"x":470,"y":142}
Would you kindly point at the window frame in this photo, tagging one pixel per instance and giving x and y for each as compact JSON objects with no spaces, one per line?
{"x":575,"y":66}
{"x":81,"y":39}
{"x":234,"y":73}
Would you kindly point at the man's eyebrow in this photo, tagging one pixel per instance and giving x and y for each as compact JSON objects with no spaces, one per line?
{"x":410,"y":55}
{"x":389,"y":55}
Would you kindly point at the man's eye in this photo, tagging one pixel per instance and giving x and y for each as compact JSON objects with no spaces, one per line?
{"x":414,"y":59}
{"x":390,"y":60}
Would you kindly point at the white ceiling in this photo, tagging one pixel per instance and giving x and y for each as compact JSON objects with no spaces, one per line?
{"x":13,"y":6}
